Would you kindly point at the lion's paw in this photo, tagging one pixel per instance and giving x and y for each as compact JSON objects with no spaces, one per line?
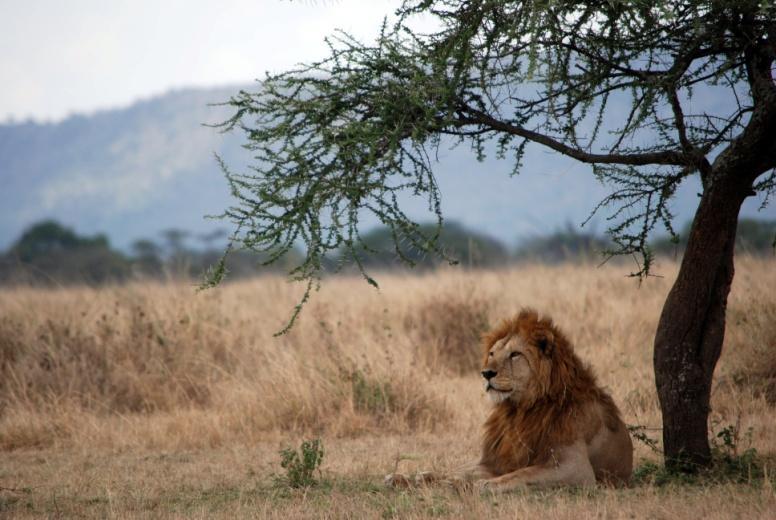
{"x":397,"y":480}
{"x":423,"y":478}
{"x":466,"y":485}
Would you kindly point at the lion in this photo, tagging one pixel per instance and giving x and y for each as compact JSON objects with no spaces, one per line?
{"x":551,"y":424}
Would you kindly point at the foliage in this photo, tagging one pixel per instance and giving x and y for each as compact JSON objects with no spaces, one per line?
{"x":301,"y":465}
{"x":346,"y":137}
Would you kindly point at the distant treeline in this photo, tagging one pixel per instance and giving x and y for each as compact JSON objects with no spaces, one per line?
{"x":49,"y":253}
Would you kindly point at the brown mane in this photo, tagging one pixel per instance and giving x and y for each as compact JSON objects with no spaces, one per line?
{"x":559,"y":406}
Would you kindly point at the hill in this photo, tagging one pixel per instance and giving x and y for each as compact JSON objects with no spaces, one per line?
{"x":136,"y":171}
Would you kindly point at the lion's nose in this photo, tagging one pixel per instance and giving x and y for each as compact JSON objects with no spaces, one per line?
{"x":488,"y":374}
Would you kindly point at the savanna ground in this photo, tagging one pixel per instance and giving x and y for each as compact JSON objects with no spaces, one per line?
{"x":152,"y":400}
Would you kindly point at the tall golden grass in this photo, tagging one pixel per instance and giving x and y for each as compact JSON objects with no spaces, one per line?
{"x":156,"y":363}
{"x":149,"y":367}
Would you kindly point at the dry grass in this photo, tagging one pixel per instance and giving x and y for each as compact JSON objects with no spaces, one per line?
{"x":154,"y":400}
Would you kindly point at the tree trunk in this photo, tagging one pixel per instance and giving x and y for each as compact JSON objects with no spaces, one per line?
{"x":691,"y":329}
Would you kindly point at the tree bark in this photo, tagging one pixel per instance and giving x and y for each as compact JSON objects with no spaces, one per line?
{"x":691,"y":329}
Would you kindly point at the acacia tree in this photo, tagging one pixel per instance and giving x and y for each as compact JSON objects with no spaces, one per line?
{"x":341,"y":138}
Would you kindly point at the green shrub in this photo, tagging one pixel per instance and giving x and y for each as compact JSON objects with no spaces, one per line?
{"x":730,"y":464}
{"x":729,"y":460}
{"x":301,"y":465}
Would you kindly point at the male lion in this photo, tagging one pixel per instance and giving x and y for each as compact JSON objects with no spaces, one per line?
{"x":551,"y":424}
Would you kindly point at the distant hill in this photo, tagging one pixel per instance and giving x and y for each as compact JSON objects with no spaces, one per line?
{"x":135,"y":171}
{"x":129,"y":172}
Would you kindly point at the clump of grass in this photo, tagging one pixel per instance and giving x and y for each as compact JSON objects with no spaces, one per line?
{"x":372,"y":396}
{"x":301,"y":465}
{"x":752,"y":341}
{"x":760,"y":376}
{"x":126,"y":360}
{"x":397,"y":403}
{"x":447,"y":330}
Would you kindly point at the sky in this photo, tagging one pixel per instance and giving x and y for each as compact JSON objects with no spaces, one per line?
{"x":78,"y":56}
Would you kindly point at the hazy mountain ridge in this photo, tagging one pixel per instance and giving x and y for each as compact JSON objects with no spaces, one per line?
{"x":134,"y":171}
{"x":128,"y":172}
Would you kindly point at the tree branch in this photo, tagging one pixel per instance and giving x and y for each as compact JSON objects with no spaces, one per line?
{"x":472,"y":116}
{"x":699,"y":160}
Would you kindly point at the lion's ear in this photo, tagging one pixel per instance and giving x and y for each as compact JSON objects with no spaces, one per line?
{"x":545,"y":341}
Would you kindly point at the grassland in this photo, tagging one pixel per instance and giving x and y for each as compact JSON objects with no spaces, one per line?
{"x":151,"y":400}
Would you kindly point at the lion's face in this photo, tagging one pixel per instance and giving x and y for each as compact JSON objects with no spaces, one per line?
{"x":513,"y":363}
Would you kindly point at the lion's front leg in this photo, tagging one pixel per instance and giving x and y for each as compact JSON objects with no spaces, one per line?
{"x":419,"y":479}
{"x":462,"y":475}
{"x":569,"y":466}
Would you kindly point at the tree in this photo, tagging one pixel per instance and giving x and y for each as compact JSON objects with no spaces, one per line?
{"x":48,"y":252}
{"x":147,"y":257}
{"x":175,"y":239}
{"x":341,"y":138}
{"x":50,"y":237}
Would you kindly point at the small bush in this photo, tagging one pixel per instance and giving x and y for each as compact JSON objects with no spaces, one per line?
{"x":730,"y":460}
{"x":301,"y":465}
{"x":729,"y":464}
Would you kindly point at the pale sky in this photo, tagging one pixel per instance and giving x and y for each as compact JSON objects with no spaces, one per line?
{"x":76,"y":56}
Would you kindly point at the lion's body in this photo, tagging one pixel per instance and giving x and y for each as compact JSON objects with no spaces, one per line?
{"x":552,"y":424}
{"x":561,"y":405}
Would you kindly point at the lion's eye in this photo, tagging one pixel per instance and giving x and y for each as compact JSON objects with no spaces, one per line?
{"x":490,"y":354}
{"x":513,"y":355}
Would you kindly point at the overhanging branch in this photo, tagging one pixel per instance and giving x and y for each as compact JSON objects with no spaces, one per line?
{"x":471,"y":116}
